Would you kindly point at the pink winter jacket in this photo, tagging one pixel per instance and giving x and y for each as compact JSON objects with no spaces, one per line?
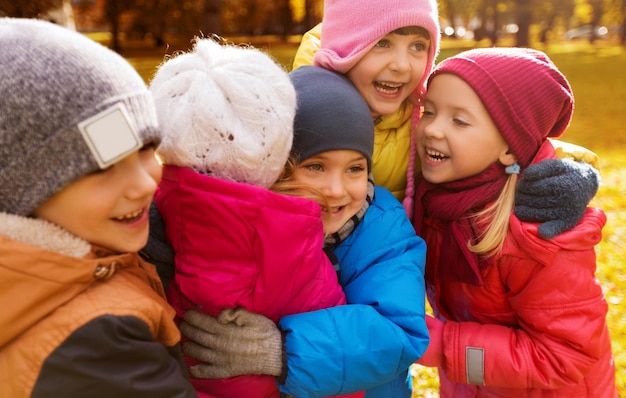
{"x":240,"y":245}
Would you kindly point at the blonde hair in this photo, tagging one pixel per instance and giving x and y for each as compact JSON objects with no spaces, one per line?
{"x":286,"y":185}
{"x":494,"y":221}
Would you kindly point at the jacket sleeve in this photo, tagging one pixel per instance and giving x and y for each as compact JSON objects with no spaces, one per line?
{"x":560,"y":331}
{"x":373,"y":339}
{"x":114,"y":357}
{"x":310,"y":43}
{"x":567,"y":150}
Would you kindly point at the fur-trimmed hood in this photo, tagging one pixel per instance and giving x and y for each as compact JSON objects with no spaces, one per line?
{"x":41,"y":233}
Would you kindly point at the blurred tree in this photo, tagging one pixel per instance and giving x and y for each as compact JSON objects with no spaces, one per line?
{"x":488,"y":14}
{"x":113,"y":10}
{"x":213,"y":16}
{"x":623,"y":27}
{"x":524,"y":18}
{"x":597,"y":9}
{"x":28,"y":8}
{"x":285,"y":19}
{"x":550,"y":13}
{"x":313,"y":13}
{"x":452,"y":16}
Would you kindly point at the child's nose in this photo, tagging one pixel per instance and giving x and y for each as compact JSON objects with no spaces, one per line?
{"x":431,"y":128}
{"x":334,"y":187}
{"x":400,"y":62}
{"x":146,"y":174}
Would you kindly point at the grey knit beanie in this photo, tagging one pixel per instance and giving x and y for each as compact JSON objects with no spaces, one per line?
{"x":68,"y":107}
{"x":331,"y":115}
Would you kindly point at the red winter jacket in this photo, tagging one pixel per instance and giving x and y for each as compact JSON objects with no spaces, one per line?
{"x":536,"y":327}
{"x":240,"y":245}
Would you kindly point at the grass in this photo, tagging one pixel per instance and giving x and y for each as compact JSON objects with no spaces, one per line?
{"x":596,"y":74}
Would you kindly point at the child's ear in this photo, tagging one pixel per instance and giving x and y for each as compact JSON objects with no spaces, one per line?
{"x":507,"y":158}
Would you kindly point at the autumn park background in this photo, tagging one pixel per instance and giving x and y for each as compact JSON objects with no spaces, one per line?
{"x":585,"y":38}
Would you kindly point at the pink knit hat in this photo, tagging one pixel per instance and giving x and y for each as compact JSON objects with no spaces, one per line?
{"x":351,"y":28}
{"x":527,"y":97}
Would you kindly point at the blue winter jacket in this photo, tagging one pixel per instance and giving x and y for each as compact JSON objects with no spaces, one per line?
{"x":369,"y":343}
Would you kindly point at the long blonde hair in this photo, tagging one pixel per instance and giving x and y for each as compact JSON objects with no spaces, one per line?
{"x":494,"y":220}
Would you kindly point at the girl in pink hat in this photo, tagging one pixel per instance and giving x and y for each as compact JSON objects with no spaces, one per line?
{"x":516,"y":314}
{"x":388,"y":49}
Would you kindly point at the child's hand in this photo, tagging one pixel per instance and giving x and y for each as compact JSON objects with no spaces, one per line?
{"x":235,"y":343}
{"x":555,"y":192}
{"x":433,"y":357}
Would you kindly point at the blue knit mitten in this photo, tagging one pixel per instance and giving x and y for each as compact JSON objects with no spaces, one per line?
{"x":555,"y":193}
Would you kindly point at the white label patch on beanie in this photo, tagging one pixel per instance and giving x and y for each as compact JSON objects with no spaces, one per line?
{"x":110,"y":136}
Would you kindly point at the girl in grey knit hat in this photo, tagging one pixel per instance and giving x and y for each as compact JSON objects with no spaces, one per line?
{"x":83,"y":315}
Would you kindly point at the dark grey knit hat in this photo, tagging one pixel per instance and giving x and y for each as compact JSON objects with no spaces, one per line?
{"x":68,"y":106}
{"x":331,"y":115}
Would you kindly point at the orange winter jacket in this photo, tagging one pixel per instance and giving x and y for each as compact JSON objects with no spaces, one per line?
{"x":81,"y":321}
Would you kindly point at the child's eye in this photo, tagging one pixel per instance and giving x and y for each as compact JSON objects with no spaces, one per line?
{"x":419,"y":46}
{"x":460,"y":122}
{"x":356,"y":169}
{"x":427,"y":113}
{"x":314,"y":167}
{"x":382,"y":43}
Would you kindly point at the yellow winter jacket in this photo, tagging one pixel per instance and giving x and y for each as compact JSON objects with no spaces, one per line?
{"x":393,"y":133}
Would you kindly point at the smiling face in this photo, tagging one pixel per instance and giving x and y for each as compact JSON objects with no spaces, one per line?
{"x":109,"y":208}
{"x":456,"y":135}
{"x":339,"y":175}
{"x":390,"y":71}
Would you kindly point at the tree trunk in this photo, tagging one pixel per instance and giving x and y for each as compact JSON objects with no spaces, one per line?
{"x":623,"y":33}
{"x":213,"y":17}
{"x":597,"y":8}
{"x":286,"y":19}
{"x":113,"y":11}
{"x":452,"y":16}
{"x":524,"y":19}
{"x":547,"y":27}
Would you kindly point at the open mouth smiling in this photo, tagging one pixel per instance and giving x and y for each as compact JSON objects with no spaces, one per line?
{"x":332,"y":210}
{"x":436,"y":156}
{"x":130,"y":217}
{"x":388,"y":87}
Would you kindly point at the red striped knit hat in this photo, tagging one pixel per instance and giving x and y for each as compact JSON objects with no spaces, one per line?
{"x":527,"y":97}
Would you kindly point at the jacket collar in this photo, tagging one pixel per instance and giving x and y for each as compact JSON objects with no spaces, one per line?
{"x":43,"y":234}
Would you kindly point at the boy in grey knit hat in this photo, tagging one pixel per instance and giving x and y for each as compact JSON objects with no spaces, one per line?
{"x":82,"y":311}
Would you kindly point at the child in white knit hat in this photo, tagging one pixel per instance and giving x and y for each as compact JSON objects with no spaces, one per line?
{"x":362,"y":348}
{"x":388,"y":49}
{"x":227,"y":116}
{"x":81,"y":311}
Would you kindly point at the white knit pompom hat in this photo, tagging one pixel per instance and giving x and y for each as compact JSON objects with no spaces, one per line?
{"x":226,"y":111}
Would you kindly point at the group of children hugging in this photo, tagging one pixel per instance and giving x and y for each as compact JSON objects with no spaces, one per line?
{"x":237,"y":230}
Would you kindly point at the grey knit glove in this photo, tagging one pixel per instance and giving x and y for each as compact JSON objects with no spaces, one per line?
{"x":555,"y":193}
{"x":235,"y":343}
